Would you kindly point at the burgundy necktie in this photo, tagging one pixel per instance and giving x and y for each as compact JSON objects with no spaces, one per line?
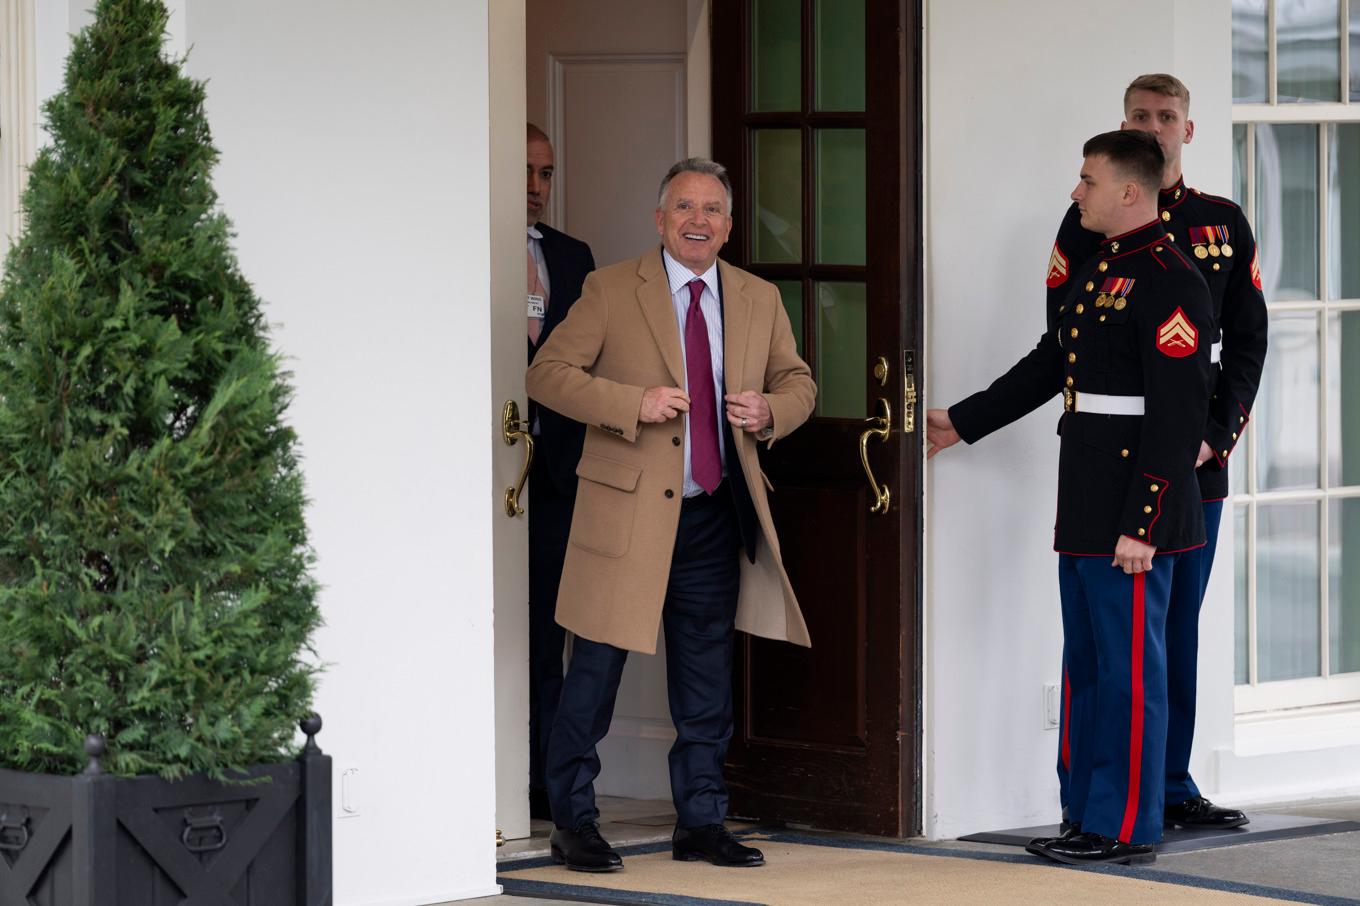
{"x":705,"y":464}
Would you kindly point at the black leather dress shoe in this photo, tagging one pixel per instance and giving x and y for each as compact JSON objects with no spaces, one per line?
{"x":1200,"y":812}
{"x":713,"y":843}
{"x":1068,"y":827}
{"x":583,"y":849}
{"x":1093,"y":849}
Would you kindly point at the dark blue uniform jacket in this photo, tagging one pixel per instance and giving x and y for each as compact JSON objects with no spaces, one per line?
{"x":1135,"y":322}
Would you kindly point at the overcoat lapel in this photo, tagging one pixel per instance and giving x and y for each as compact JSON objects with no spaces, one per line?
{"x":736,"y":327}
{"x":654,"y":297}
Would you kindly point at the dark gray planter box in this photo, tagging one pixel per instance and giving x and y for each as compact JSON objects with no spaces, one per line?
{"x":99,"y":840}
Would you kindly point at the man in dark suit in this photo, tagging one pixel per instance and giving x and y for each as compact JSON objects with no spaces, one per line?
{"x":557,"y":266}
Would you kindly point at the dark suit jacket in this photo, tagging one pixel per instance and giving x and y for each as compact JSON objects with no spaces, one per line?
{"x":560,"y":439}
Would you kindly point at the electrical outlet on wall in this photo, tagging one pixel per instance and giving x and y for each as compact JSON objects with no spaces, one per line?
{"x":349,"y":792}
{"x":1052,"y":706}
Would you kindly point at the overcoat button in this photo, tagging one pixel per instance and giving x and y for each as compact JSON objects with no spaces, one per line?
{"x":675,"y":441}
{"x":669,"y":493}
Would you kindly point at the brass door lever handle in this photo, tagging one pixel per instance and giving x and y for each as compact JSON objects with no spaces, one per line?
{"x":880,"y":426}
{"x":512,"y":430}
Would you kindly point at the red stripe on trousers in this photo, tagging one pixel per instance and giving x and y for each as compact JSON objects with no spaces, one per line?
{"x":1136,"y":713}
{"x":1067,"y":721}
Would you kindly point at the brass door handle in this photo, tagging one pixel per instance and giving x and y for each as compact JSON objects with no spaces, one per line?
{"x":880,"y":426}
{"x":512,"y":430}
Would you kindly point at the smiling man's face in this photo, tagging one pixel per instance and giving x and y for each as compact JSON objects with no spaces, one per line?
{"x":693,"y":221}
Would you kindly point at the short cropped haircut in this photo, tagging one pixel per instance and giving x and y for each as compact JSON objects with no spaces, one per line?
{"x":1135,"y":155}
{"x":1159,"y":83}
{"x":533,"y":133}
{"x":696,"y":165}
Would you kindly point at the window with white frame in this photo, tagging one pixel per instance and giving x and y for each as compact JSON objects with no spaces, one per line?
{"x":1295,"y":504}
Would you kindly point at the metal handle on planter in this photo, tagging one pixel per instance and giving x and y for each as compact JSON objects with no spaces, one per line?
{"x":512,"y":430}
{"x":14,"y":833}
{"x":204,"y":833}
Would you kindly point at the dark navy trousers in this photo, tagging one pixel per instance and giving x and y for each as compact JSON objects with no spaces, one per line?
{"x":698,"y":617}
{"x":1189,"y":581}
{"x":1114,"y":634}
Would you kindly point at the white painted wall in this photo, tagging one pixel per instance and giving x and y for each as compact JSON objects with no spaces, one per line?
{"x":1013,"y":92}
{"x":355,"y":165}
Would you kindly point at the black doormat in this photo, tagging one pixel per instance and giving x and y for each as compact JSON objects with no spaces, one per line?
{"x":1263,"y":828}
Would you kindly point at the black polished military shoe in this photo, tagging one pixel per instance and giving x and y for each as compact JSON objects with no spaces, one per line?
{"x":1093,"y":849}
{"x":713,"y":843}
{"x":1200,"y":812}
{"x":1068,"y":827}
{"x":583,"y":849}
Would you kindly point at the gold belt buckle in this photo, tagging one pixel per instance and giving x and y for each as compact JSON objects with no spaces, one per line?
{"x":1069,"y":400}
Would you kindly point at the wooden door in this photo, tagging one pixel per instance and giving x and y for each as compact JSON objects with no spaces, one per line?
{"x":816,"y":107}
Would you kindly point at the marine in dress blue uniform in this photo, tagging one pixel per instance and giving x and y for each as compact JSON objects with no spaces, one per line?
{"x":1125,"y":347}
{"x":1213,"y":232}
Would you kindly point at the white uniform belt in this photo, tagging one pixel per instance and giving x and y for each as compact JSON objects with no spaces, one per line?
{"x":1215,"y":352}
{"x":1102,"y":404}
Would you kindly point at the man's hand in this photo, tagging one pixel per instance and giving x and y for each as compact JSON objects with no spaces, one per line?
{"x":940,"y":431}
{"x":748,"y":411}
{"x":1133,"y":556}
{"x":661,"y":404}
{"x":1205,"y":451}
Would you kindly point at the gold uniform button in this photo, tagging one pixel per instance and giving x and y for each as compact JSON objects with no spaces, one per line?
{"x":1090,"y":285}
{"x":1102,"y":317}
{"x":1171,"y":236}
{"x":1234,"y":435}
{"x":1147,"y":509}
{"x":1072,"y":357}
{"x":1225,"y":454}
{"x":1216,"y":265}
{"x":1080,"y":308}
{"x":1157,"y":249}
{"x":1142,"y":532}
{"x":1166,"y":215}
{"x":1241,"y":419}
{"x":1070,"y":381}
{"x":1155,"y":488}
{"x":1103,"y":266}
{"x":1074,"y":333}
{"x":1124,"y":453}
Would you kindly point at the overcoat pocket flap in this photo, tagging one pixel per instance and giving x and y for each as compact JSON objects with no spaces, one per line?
{"x":606,"y":471}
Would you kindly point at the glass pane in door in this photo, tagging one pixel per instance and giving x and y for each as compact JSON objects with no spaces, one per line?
{"x":777,"y":158}
{"x":1343,"y":202}
{"x":842,"y":312}
{"x":791,"y":293}
{"x":839,"y":39}
{"x":841,"y":215}
{"x":777,"y":55}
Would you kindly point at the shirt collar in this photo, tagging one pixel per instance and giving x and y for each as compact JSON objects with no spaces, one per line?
{"x":679,"y":276}
{"x":535,"y":232}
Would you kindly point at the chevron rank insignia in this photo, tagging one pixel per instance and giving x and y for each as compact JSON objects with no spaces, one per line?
{"x":1256,"y":270}
{"x":1177,"y":337}
{"x":1057,"y":268}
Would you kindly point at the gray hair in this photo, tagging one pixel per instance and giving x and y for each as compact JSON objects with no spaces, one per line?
{"x":696,"y":165}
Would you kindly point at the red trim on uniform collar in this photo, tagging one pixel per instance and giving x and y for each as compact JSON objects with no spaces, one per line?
{"x":1134,"y":240}
{"x":1167,"y":198}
